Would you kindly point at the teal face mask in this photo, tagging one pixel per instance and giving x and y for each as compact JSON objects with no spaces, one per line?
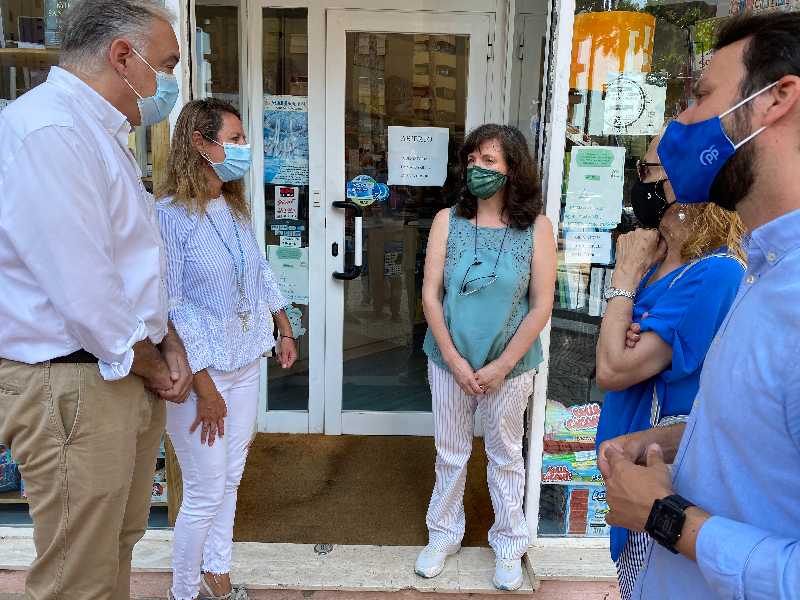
{"x":484,"y":183}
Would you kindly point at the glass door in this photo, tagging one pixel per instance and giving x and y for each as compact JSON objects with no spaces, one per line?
{"x":402,"y":90}
{"x":285,"y":194}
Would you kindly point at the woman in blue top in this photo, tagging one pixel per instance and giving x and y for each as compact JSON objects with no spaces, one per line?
{"x":487,"y":295}
{"x":672,"y":286}
{"x":223,"y":298}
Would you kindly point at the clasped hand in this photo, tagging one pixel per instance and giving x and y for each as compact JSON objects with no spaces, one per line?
{"x":635,"y":476}
{"x":478,"y":383}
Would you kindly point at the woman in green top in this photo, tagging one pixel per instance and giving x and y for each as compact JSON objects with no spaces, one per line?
{"x":487,"y":296}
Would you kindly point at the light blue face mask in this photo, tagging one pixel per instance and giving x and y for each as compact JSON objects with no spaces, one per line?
{"x":236,"y":163}
{"x":156,"y":108}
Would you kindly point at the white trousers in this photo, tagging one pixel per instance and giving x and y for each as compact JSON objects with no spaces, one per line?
{"x":211,"y":475}
{"x":502,"y":413}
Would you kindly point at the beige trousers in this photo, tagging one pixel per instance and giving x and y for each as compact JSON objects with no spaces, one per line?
{"x":86,"y":449}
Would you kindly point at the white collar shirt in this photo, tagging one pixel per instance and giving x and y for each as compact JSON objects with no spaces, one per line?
{"x":81,"y":259}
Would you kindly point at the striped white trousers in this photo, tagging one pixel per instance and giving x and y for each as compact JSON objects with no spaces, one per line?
{"x":630,"y":562}
{"x":502,"y":415}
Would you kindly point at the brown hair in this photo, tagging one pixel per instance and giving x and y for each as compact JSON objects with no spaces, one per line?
{"x":523,"y":190}
{"x":712,"y":227}
{"x":185,"y":179}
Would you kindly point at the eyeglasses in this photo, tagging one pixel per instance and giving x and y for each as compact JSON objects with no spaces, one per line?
{"x":470,"y":286}
{"x":476,"y":284}
{"x":643,"y":168}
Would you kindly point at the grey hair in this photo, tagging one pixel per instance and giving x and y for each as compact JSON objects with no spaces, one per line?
{"x":90,"y":26}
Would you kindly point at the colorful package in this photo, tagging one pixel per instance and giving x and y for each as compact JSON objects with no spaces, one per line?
{"x":572,"y":467}
{"x":9,"y":473}
{"x":576,"y":423}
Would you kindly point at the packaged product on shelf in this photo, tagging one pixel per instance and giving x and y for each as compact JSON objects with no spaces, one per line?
{"x":571,"y":423}
{"x":572,"y":467}
{"x":159,"y":486}
{"x":9,"y":473}
{"x":573,"y":511}
{"x":576,"y":423}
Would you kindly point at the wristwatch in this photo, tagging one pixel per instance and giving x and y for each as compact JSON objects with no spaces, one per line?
{"x":613,"y":292}
{"x":666,"y":520}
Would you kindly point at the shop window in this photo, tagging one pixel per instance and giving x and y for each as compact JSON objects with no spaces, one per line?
{"x":286,"y":189}
{"x":29,"y":45}
{"x":631,"y":70}
{"x":216,"y":70}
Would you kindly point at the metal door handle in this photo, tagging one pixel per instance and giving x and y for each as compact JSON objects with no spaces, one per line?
{"x":353,"y":271}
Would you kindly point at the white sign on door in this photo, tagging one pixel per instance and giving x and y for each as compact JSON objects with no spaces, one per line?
{"x":418,"y":156}
{"x":287,"y":202}
{"x":290,"y":266}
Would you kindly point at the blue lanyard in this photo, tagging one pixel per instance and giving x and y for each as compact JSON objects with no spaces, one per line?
{"x":239,"y":271}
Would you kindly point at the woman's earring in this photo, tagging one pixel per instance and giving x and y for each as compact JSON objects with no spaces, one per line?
{"x":681,"y":216}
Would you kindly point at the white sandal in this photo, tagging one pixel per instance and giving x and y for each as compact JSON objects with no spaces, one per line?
{"x":206,"y":593}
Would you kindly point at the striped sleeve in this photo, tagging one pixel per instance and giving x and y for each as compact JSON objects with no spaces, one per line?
{"x":190,"y":321}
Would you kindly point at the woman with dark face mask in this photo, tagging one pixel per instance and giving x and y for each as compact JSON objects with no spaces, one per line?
{"x":674,"y":281}
{"x":490,"y":272}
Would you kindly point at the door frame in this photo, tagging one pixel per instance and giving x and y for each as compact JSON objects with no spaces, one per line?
{"x":482,"y":71}
{"x":317,"y":419}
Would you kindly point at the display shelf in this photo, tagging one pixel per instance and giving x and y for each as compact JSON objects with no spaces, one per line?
{"x":29,"y":57}
{"x":12,"y":498}
{"x":15,"y":498}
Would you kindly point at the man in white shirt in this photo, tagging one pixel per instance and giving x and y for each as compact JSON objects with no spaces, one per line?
{"x":87,"y":357}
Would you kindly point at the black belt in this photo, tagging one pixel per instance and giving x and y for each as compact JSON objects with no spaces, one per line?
{"x":79,"y":356}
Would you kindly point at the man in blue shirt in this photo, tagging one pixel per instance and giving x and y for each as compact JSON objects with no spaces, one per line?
{"x":726,"y":514}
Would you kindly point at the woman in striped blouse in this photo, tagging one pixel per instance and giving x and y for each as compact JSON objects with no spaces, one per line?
{"x":223,"y":299}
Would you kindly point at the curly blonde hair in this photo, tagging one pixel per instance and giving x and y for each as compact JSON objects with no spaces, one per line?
{"x":712,"y":227}
{"x":185,"y":179}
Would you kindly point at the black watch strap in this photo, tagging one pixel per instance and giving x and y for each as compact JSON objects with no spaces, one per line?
{"x":666,"y":520}
{"x":679,"y":501}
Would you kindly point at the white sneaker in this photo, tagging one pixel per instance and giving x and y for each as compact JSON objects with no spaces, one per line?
{"x":507,"y":574}
{"x":430,"y":561}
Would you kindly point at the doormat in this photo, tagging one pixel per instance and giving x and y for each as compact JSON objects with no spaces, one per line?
{"x":312,"y":489}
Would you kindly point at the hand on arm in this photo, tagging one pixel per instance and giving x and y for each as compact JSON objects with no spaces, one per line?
{"x":624,"y":355}
{"x":541,"y":293}
{"x":432,"y":294}
{"x":211,"y":409}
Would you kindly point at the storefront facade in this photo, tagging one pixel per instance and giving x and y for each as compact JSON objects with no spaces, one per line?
{"x":355,"y":111}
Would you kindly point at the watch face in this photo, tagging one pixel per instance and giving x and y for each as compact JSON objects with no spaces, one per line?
{"x":665,"y":521}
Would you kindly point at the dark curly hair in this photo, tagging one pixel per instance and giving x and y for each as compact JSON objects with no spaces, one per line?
{"x":523,"y":190}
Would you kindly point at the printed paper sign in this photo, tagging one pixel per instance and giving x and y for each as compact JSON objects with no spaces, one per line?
{"x":290,"y":241}
{"x":286,"y":140}
{"x":287,"y":202}
{"x":632,"y":106}
{"x":586,"y":247}
{"x":418,"y":156}
{"x":290,"y":266}
{"x":594,"y":187}
{"x":288,"y":229}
